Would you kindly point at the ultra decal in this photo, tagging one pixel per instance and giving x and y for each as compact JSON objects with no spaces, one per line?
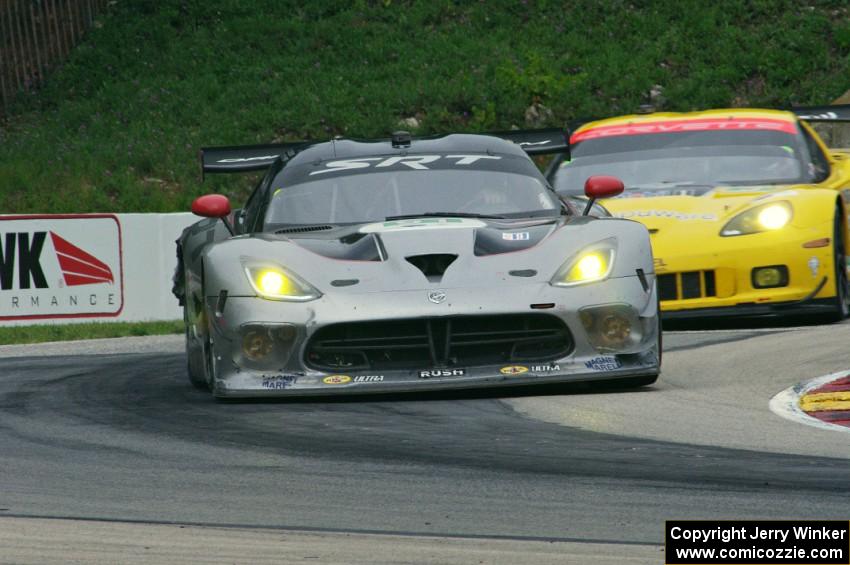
{"x":369,"y":379}
{"x":67,"y":266}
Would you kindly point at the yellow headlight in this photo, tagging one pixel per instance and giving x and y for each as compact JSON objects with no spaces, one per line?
{"x":272,"y":282}
{"x":277,"y":283}
{"x":767,"y":217}
{"x":774,"y":217}
{"x":588,"y":266}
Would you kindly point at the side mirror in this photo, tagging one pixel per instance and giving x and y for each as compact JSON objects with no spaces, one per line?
{"x":211,"y":206}
{"x":601,"y":186}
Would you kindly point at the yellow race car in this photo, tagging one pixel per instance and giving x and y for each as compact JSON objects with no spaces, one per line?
{"x":748,"y":209}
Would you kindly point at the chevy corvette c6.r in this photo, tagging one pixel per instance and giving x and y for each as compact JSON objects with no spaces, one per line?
{"x":411,"y":264}
{"x":747,"y":208}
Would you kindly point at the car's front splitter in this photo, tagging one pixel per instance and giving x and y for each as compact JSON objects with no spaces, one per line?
{"x":808,"y":307}
{"x":248,"y":384}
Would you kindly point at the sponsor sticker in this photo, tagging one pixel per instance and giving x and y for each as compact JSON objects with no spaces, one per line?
{"x":277,"y":382}
{"x":749,"y":189}
{"x":369,"y":379}
{"x":673,"y":214}
{"x":247,"y":159}
{"x":441,"y":373}
{"x":422,"y":224}
{"x":336,"y":379}
{"x":64,"y":266}
{"x":603,"y":363}
{"x":814,"y":265}
{"x":516,"y":236}
{"x":547,"y":368}
{"x":513,"y":370}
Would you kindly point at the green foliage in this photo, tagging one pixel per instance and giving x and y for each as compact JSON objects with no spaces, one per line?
{"x":118,"y":127}
{"x":92,"y":330}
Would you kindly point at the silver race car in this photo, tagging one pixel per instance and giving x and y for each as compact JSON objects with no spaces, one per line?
{"x":410,"y":264}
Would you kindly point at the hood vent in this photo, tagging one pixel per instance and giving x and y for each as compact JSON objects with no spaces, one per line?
{"x":304,"y":229}
{"x":432,"y":265}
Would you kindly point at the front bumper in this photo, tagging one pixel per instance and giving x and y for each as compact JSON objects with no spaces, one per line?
{"x":584,"y":359}
{"x":722,"y":279}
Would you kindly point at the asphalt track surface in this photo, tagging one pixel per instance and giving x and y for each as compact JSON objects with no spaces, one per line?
{"x":103,"y":436}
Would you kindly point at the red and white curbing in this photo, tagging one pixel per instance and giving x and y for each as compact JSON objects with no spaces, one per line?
{"x":816,"y":396}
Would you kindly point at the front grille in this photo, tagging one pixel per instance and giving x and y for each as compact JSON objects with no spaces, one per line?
{"x":691,"y":284}
{"x":423,"y":343}
{"x":667,"y":287}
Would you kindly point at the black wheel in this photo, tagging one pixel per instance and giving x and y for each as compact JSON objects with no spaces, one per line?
{"x":210,"y":362}
{"x":660,"y":330}
{"x":197,"y":356}
{"x":195,"y":359}
{"x":841,"y":302}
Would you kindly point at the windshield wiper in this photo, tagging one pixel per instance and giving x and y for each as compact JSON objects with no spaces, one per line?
{"x":444,"y":215}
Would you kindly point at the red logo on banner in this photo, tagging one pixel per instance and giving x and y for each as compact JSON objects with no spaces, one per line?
{"x":79,"y":267}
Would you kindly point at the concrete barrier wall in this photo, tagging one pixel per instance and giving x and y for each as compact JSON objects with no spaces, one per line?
{"x":88,"y":267}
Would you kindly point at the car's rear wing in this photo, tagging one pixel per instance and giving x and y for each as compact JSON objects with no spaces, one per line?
{"x":244,"y":158}
{"x":833,"y":113}
{"x":831,"y":123}
{"x":538,"y":141}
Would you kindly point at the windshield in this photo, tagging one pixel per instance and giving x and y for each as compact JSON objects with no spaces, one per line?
{"x":375,"y":196}
{"x":692,"y":162}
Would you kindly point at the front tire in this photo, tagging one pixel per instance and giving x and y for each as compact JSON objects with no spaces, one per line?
{"x":195,"y":362}
{"x":841,"y":302}
{"x":210,"y":358}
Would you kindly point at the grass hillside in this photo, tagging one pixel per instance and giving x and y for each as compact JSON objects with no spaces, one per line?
{"x":119,"y":126}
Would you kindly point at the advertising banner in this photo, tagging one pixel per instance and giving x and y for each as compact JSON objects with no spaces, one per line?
{"x":88,"y":267}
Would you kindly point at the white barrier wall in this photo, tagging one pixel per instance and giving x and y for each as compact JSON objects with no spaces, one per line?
{"x":88,"y":267}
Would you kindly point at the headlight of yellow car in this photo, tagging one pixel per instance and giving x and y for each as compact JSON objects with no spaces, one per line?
{"x":767,"y":217}
{"x":592,"y":264}
{"x":276,"y":283}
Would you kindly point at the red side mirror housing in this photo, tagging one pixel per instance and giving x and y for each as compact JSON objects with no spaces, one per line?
{"x":211,"y":206}
{"x":601,"y":186}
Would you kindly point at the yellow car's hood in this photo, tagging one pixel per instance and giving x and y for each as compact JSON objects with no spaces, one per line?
{"x":694,"y":216}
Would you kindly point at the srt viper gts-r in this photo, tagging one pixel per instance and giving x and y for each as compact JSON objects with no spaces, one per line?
{"x":410,"y":264}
